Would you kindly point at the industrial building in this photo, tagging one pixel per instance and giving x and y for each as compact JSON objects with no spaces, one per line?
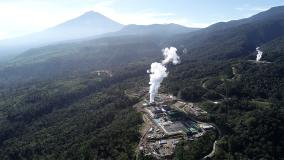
{"x":167,"y":128}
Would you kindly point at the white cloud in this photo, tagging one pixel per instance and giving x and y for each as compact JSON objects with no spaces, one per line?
{"x":248,"y":11}
{"x":258,"y":9}
{"x":143,"y":17}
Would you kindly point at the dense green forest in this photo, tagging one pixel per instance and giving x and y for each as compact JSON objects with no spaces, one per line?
{"x":83,"y":119}
{"x":250,"y":115}
{"x":55,"y":105}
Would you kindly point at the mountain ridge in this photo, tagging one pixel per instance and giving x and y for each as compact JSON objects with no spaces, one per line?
{"x":231,"y":43}
{"x":89,"y":24}
{"x":240,"y":37}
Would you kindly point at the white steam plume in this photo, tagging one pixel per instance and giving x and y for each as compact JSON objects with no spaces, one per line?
{"x":158,"y":71}
{"x":170,"y":55}
{"x":259,"y":54}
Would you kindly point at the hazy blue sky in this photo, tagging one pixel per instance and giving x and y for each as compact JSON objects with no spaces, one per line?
{"x":19,"y":17}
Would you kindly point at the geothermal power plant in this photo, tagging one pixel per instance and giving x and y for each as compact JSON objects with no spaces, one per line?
{"x":168,"y":120}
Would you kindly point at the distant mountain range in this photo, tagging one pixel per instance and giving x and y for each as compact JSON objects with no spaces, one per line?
{"x":90,"y":25}
{"x":154,"y":29}
{"x":134,"y":44}
{"x":87,"y":25}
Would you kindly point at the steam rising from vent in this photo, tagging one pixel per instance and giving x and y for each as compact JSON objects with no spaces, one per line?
{"x":170,"y":55}
{"x":158,"y":71}
{"x":259,"y":54}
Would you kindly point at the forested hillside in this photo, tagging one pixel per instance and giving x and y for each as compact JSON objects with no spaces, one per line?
{"x":234,"y":39}
{"x":249,"y":110}
{"x":83,"y":118}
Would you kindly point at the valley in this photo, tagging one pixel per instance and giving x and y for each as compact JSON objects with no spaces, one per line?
{"x":97,"y":95}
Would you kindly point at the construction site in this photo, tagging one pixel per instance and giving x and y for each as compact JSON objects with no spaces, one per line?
{"x":166,"y":123}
